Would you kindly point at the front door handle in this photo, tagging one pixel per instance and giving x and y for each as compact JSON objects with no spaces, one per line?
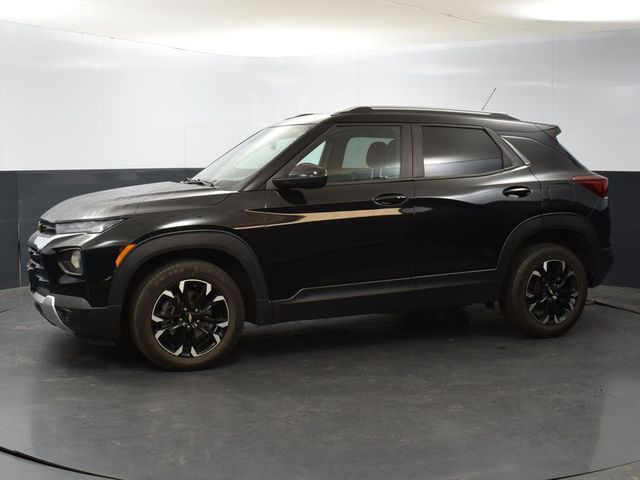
{"x":390,"y":199}
{"x":517,"y":192}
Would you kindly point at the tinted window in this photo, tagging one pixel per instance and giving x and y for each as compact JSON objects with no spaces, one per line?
{"x":358,"y":153}
{"x":539,"y":153}
{"x":453,"y":152}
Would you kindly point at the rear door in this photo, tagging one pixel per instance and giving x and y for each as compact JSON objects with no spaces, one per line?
{"x":471,"y":192}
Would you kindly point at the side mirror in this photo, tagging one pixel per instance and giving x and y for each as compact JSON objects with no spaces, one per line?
{"x":303,"y":175}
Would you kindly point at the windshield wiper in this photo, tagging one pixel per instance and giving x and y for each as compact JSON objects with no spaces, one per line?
{"x":197,"y":181}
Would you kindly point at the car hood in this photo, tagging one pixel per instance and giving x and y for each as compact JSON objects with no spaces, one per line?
{"x":120,"y":202}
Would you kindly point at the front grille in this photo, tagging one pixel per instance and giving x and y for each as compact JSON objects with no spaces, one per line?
{"x":46,"y":228}
{"x":37,"y":273}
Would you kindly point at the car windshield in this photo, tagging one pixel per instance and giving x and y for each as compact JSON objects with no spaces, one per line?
{"x":236,"y":166}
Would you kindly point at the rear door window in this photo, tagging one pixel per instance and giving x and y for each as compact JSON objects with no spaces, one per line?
{"x":458,"y":151}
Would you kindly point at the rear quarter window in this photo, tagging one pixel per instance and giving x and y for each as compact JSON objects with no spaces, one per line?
{"x":537,"y":153}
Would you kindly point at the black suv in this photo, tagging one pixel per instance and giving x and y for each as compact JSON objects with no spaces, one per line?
{"x":366,"y":210}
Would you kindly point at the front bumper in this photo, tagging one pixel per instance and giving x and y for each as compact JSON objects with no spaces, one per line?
{"x":76,"y":315}
{"x":47,"y":308}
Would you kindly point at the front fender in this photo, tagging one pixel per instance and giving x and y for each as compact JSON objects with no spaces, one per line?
{"x":188,"y":240}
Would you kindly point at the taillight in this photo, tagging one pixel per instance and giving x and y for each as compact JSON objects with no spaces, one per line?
{"x":596,"y":183}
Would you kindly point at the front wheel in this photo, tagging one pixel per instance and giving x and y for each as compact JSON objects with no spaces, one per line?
{"x":545,"y":290}
{"x":186,"y":315}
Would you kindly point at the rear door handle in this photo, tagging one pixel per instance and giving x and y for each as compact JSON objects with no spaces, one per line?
{"x":517,"y":192}
{"x":390,"y":199}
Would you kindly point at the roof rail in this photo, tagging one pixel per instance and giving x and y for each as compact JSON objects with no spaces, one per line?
{"x":356,"y":110}
{"x":370,"y":109}
{"x":299,"y":115}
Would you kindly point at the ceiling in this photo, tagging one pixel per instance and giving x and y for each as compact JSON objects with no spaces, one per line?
{"x":306,"y":27}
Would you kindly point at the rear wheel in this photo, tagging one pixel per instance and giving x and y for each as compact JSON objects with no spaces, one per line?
{"x":545,"y":290}
{"x":186,"y":315}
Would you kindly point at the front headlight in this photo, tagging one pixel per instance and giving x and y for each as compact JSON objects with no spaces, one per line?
{"x":89,"y":226}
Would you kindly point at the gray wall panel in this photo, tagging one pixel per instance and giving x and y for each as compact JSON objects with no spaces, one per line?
{"x":624,"y":201}
{"x":8,"y":230}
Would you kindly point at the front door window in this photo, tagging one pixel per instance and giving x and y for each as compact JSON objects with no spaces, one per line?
{"x":359,"y":153}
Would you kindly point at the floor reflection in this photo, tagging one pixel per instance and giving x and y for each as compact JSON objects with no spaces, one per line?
{"x":440,"y":394}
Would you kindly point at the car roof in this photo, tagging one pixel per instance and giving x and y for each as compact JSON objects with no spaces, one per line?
{"x":495,"y":120}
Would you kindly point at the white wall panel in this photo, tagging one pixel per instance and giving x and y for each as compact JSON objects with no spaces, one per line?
{"x":50,"y":99}
{"x":325,"y":84}
{"x":229,"y":98}
{"x":417,"y":77}
{"x":205,"y":144}
{"x":226,"y":91}
{"x":144,"y":90}
{"x":520,"y":70}
{"x":273,"y":89}
{"x":70,"y":101}
{"x":597,"y":98}
{"x":219,"y":90}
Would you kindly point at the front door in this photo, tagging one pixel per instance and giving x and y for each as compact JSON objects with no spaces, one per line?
{"x":343,"y":248}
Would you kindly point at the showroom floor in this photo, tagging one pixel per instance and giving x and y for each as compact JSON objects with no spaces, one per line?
{"x":377,"y":397}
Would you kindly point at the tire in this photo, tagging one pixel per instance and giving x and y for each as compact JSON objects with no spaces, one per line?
{"x":186,"y":315}
{"x":545,"y":290}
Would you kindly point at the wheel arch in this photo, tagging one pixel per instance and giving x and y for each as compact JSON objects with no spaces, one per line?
{"x":224,"y":249}
{"x":567,"y":229}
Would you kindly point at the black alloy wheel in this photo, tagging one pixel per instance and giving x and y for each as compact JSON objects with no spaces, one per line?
{"x":190,"y":318}
{"x":186,"y":315}
{"x":545,"y":290}
{"x":552,"y":291}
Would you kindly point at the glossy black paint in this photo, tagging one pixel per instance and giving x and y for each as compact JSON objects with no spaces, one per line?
{"x":336,"y":235}
{"x":37,"y":191}
{"x":344,"y":248}
{"x":451,"y":211}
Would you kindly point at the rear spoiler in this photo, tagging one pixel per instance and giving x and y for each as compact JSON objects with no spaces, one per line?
{"x":552,"y":130}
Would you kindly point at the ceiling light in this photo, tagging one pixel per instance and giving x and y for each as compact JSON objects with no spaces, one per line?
{"x":582,"y":10}
{"x":34,"y":10}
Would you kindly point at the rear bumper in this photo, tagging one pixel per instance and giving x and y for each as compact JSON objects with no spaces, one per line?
{"x":603,"y":261}
{"x":76,"y":315}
